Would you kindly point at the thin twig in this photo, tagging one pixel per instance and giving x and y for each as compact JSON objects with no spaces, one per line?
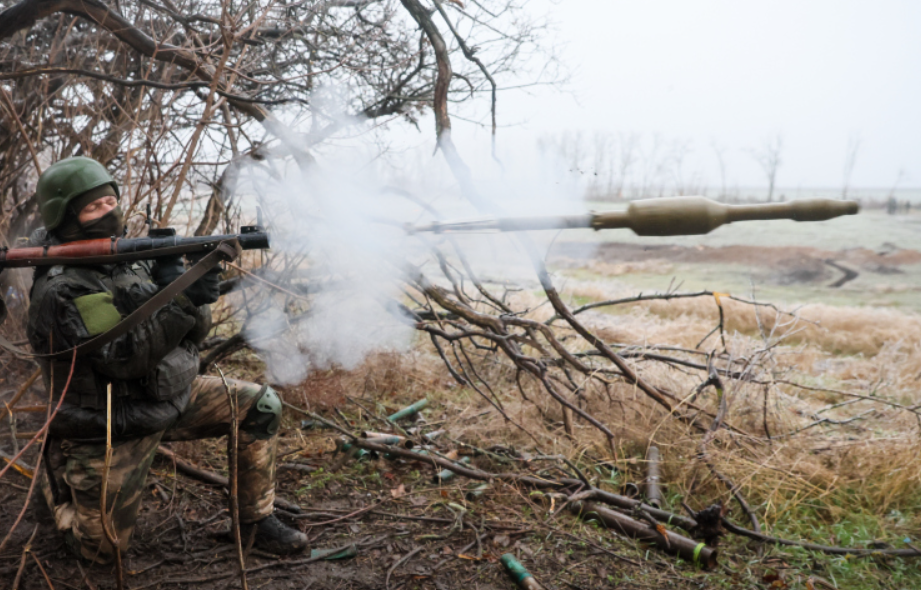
{"x":22,"y":562}
{"x":234,"y":497}
{"x":406,"y":557}
{"x":107,"y":530}
{"x":20,"y":392}
{"x":833,"y":550}
{"x":38,"y":461}
{"x":41,"y":568}
{"x":734,"y":490}
{"x":868,"y":398}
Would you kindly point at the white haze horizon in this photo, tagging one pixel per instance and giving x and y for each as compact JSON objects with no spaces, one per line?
{"x":719,"y":75}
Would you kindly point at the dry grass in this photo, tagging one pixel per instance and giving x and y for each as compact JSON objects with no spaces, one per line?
{"x":608,"y":269}
{"x":845,"y":483}
{"x":840,"y":330}
{"x":827,"y":472}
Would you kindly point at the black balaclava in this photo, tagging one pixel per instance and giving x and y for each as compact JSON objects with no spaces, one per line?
{"x":110,"y":224}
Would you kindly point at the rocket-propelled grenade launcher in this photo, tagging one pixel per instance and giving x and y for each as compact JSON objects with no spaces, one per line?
{"x":673,"y":216}
{"x":159,"y":243}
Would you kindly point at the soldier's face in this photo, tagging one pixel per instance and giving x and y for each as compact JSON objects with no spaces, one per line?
{"x":97,"y":208}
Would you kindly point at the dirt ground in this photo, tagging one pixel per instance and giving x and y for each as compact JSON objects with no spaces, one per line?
{"x":410,"y":531}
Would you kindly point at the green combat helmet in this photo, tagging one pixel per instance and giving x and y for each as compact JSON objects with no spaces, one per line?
{"x":65,"y":180}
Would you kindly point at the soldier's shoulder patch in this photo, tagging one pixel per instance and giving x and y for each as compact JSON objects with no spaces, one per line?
{"x":55,"y":270}
{"x":97,"y":312}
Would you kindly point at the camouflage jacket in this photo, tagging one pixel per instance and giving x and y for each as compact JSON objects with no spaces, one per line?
{"x":72,"y":304}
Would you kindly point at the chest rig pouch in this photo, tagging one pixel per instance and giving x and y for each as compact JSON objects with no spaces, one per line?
{"x":127,"y":286}
{"x":84,"y":389}
{"x":173,"y":376}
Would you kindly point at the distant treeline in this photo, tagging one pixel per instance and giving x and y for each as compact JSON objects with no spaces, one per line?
{"x":628,"y":166}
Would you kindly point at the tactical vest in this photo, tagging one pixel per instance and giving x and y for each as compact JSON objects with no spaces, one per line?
{"x":140,"y":406}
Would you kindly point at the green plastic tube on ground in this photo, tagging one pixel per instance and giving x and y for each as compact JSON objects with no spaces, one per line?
{"x":408,"y":410}
{"x":330,"y":554}
{"x":522,"y":577}
{"x":355,"y":452}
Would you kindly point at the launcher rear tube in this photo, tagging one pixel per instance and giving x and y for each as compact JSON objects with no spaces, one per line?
{"x":124,"y":249}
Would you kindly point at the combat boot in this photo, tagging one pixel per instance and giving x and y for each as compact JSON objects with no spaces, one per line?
{"x":274,"y":536}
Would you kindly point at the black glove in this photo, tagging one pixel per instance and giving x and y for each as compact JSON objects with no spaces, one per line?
{"x":166,"y":270}
{"x":207,"y":289}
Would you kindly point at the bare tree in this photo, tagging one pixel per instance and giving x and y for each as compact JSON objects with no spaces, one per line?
{"x":169,"y":95}
{"x":684,"y":183}
{"x":768,"y":157}
{"x":720,"y":152}
{"x":626,"y":160}
{"x":850,"y":159}
{"x":606,"y":163}
{"x":654,"y":164}
{"x":603,"y":168}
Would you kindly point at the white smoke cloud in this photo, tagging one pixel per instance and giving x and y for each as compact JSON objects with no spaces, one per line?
{"x":325,"y":225}
{"x":321,"y":223}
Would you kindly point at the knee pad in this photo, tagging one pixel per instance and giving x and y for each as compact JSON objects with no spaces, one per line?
{"x":264,"y":418}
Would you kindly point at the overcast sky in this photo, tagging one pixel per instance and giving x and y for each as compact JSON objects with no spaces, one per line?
{"x":734,"y":73}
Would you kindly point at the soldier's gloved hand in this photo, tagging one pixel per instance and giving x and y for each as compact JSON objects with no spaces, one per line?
{"x":207,"y":289}
{"x":166,"y":270}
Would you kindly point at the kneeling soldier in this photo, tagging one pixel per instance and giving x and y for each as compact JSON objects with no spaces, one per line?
{"x":157,"y":395}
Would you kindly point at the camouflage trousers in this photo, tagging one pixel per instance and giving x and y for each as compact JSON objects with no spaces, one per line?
{"x":77,"y":469}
